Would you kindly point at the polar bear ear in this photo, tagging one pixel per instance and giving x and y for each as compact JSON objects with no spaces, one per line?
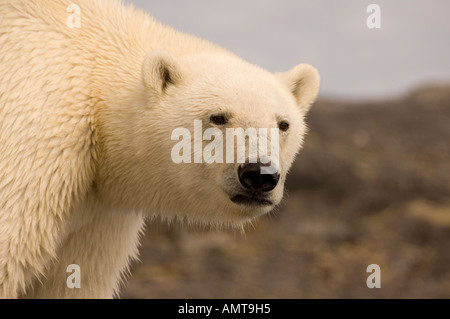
{"x":160,"y":69}
{"x":304,"y":83}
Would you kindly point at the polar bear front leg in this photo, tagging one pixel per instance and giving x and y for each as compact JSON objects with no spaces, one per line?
{"x":102,"y":249}
{"x":27,"y":246}
{"x":46,"y":167}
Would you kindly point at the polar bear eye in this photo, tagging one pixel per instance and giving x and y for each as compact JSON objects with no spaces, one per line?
{"x":283,"y":126}
{"x":218,"y":119}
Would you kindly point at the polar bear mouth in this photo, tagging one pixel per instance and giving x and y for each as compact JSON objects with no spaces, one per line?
{"x":251,"y":200}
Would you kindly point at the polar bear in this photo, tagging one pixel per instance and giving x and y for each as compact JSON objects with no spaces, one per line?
{"x":86,"y":117}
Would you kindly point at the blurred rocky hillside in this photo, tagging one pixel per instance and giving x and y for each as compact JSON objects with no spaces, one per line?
{"x":371,"y":186}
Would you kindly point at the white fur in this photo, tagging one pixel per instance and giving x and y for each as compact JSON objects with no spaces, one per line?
{"x":85,"y":122}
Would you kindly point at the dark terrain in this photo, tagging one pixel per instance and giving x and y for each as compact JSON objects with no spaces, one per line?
{"x":371,"y":186}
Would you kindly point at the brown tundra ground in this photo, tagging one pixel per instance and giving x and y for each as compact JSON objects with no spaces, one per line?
{"x":371,"y":186}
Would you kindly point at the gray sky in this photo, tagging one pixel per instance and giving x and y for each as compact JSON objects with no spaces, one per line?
{"x":412,"y":47}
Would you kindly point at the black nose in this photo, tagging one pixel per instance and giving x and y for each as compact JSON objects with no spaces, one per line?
{"x":251,"y":178}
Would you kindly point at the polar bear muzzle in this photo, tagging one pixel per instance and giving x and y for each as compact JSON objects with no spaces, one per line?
{"x":256,"y":185}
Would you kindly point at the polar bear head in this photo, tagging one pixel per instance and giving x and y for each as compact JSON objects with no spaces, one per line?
{"x":166,"y":157}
